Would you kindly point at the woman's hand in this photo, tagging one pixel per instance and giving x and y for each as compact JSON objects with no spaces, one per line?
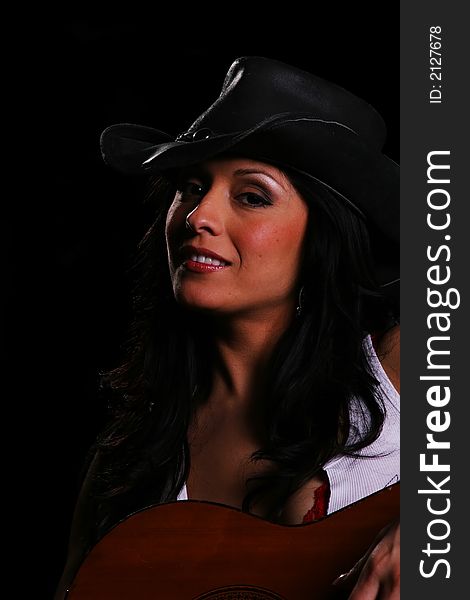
{"x":378,"y":571}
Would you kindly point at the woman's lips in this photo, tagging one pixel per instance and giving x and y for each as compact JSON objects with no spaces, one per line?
{"x":198,"y":267}
{"x":202,"y":260}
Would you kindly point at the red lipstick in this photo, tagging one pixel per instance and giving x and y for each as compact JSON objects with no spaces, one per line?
{"x":216,"y":262}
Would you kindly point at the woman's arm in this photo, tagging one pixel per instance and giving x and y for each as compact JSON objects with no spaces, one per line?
{"x":377,"y":573}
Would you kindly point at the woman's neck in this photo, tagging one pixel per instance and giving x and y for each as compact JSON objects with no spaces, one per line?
{"x":243,"y":348}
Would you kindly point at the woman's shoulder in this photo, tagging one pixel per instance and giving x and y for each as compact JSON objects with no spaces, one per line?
{"x":387,"y":347}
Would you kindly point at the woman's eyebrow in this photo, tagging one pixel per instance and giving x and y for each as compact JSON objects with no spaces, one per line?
{"x":257,"y":171}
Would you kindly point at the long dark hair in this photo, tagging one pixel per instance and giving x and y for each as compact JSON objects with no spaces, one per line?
{"x":317,"y":367}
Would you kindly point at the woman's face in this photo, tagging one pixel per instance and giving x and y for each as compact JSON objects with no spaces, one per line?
{"x":243,"y":249}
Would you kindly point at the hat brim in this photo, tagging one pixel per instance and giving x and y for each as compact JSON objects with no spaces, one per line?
{"x":328,"y":151}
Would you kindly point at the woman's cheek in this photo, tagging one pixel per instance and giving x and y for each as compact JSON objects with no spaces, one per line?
{"x":171,"y":216}
{"x":174,"y":226}
{"x":263,"y":241}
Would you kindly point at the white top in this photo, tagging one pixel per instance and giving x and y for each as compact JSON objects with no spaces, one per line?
{"x":352,"y":479}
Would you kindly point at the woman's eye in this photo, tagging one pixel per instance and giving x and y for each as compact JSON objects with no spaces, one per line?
{"x":190,"y":189}
{"x":254,"y":200}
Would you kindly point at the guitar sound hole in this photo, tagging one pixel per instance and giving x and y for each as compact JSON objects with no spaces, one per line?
{"x":240,"y":592}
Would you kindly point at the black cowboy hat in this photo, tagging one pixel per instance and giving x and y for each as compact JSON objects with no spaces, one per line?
{"x":277,"y":113}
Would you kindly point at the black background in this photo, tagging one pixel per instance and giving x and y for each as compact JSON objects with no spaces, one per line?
{"x":76,"y":223}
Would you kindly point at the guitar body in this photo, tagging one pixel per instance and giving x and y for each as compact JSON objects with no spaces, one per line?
{"x":197,"y":550}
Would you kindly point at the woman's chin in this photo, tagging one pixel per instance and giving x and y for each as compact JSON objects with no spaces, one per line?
{"x":200,"y":304}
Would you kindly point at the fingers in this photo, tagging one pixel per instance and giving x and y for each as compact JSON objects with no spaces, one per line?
{"x":350,"y":577}
{"x":373,"y":590}
{"x":379,"y":578}
{"x":376,"y":576}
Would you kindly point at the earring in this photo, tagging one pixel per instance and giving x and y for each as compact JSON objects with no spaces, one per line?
{"x":300,"y":302}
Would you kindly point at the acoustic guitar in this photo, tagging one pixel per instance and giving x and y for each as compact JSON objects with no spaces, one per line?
{"x":198,"y":550}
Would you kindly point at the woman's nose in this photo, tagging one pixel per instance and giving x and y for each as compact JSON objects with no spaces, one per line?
{"x":208,"y":215}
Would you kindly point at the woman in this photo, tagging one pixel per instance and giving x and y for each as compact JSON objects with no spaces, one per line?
{"x":263,"y":365}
